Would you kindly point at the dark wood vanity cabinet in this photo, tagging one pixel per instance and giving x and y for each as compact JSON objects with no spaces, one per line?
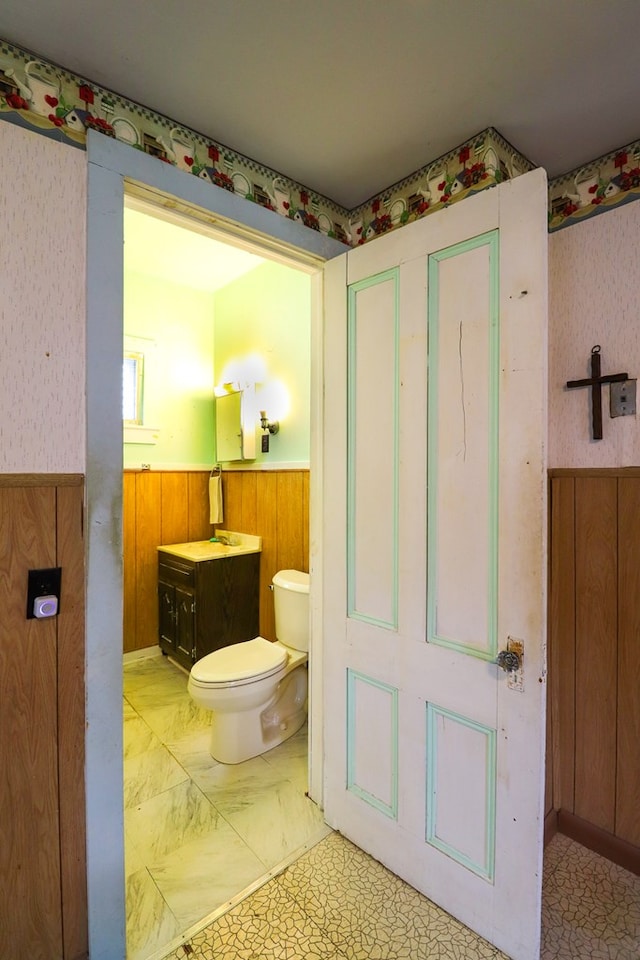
{"x":206,"y":604}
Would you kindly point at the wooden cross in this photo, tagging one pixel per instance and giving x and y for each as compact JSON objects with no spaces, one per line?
{"x":595,"y":381}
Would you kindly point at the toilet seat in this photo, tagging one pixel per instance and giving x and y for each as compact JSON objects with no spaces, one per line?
{"x":239,"y":663}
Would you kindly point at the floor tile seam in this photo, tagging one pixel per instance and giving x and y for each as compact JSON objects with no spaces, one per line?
{"x":212,"y":804}
{"x":139,"y":683}
{"x":159,"y":891}
{"x":187,"y":772}
{"x":138,"y":800}
{"x":160,"y":793}
{"x":174,"y":685}
{"x":231,"y":826}
{"x":267,"y":788}
{"x":152,"y":748}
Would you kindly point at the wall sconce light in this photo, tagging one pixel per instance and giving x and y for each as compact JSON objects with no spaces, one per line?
{"x":268,"y":427}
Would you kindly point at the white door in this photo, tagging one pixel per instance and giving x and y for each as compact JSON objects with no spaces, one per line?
{"x":434,"y":555}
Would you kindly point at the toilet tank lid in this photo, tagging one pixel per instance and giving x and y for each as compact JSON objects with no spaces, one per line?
{"x":292,"y":580}
{"x":251,"y":658}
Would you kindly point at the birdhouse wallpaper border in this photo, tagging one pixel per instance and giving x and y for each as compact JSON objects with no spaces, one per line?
{"x":49,"y":99}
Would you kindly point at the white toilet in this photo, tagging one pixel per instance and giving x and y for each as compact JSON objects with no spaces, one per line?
{"x":257,"y":690}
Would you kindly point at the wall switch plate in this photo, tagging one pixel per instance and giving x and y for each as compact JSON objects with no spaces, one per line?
{"x":622,"y":398}
{"x":43,"y":588}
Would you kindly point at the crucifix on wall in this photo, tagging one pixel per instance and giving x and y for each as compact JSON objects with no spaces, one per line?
{"x":595,"y":381}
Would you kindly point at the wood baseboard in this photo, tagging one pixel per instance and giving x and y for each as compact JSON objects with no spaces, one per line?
{"x":594,"y":838}
{"x":550,"y":826}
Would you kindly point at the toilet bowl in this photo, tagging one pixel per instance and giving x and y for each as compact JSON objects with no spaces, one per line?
{"x":257,"y":690}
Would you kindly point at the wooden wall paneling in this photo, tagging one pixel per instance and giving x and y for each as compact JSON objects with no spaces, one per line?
{"x":129,"y":586}
{"x":148,"y":538}
{"x":305,"y":522}
{"x":174,"y":507}
{"x":232,"y":500}
{"x":271,"y":504}
{"x":548,"y":780}
{"x":30,"y":891}
{"x":627,"y":821}
{"x":249,"y":503}
{"x":267,"y":526}
{"x":71,"y":720}
{"x":562,"y":640}
{"x":199,"y":526}
{"x":596,"y":655}
{"x":290,"y":548}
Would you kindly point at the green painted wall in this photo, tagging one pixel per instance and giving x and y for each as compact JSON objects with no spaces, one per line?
{"x":266,"y":314}
{"x":177,"y":323}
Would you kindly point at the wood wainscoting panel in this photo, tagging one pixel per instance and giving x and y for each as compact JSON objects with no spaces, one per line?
{"x":30,"y":884}
{"x":273,"y":504}
{"x":198,"y":527}
{"x":596,"y":654}
{"x":71,"y":720}
{"x":290,"y":523}
{"x":129,"y":571}
{"x":594,"y":666}
{"x":267,"y":524}
{"x":249,"y":504}
{"x":628,"y":720}
{"x":174,"y":499}
{"x":173,"y":507}
{"x":232,"y":484}
{"x":562,"y":643}
{"x":305,"y":519}
{"x":148,"y":508}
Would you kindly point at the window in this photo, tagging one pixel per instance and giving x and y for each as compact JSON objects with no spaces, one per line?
{"x":132,"y":382}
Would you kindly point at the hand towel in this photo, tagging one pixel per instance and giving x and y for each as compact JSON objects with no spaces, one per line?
{"x":215,"y":499}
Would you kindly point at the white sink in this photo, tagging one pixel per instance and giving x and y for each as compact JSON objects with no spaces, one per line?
{"x":238,"y":544}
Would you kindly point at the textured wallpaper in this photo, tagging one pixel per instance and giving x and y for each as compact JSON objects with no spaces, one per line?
{"x":42,"y":304}
{"x":594,"y":297}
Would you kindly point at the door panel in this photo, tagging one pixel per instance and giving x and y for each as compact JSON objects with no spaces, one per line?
{"x":373,"y":404}
{"x":435,"y":347}
{"x":463,"y":439}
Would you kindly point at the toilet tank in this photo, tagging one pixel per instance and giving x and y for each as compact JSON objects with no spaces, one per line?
{"x":291,"y":601}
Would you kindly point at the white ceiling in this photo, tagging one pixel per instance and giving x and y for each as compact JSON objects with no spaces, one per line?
{"x":167,"y":251}
{"x":348,"y":96}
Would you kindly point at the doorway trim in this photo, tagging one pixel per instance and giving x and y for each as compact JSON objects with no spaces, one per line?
{"x":113,"y":170}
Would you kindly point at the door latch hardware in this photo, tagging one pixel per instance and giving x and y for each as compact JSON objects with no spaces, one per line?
{"x":508,"y":660}
{"x":511,"y":661}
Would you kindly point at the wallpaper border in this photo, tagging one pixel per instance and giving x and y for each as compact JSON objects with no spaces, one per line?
{"x":62,"y":105}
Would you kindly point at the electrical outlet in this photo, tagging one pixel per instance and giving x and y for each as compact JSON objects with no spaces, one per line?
{"x":622,"y":398}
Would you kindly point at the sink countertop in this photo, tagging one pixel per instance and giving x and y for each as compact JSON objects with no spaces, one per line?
{"x":205,"y":550}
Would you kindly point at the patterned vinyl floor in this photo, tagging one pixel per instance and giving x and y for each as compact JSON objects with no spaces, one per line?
{"x":336,"y":903}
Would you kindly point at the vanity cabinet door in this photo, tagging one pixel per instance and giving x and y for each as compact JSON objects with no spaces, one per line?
{"x":185,"y":626}
{"x":227,"y":602}
{"x":207,"y":604}
{"x":167,"y":614}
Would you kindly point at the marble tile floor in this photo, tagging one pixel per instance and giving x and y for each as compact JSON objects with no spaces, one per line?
{"x":336,"y":903}
{"x":311,"y":895}
{"x":198,"y":833}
